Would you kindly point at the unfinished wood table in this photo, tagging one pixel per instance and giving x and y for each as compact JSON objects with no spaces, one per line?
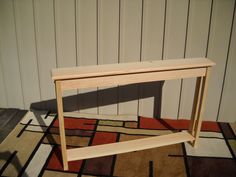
{"x":130,"y":73}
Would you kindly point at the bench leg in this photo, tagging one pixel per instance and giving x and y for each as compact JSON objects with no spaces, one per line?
{"x":61,"y":124}
{"x":195,"y":107}
{"x":198,"y":106}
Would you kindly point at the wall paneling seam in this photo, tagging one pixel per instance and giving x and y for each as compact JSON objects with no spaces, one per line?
{"x":115,"y":32}
{"x":185,"y":46}
{"x":3,"y":78}
{"x":209,"y":28}
{"x":140,"y":53}
{"x":118,"y":53}
{"x":76,"y":47}
{"x":55,"y":32}
{"x":97,"y":13}
{"x":17,"y":48}
{"x":164,"y":31}
{"x":226,"y":64}
{"x":36,"y":48}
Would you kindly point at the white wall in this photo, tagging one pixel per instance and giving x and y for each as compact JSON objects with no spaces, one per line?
{"x":37,"y":35}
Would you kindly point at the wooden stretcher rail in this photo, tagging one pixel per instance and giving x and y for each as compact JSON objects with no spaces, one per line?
{"x":128,"y":146}
{"x":131,"y":78}
{"x":130,"y":73}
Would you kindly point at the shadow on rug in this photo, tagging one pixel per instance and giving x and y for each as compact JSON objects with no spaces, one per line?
{"x":33,"y":148}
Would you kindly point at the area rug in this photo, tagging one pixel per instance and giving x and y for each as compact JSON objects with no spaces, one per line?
{"x":33,"y":148}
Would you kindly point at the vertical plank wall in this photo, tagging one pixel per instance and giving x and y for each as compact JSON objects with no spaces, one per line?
{"x":37,"y":35}
{"x":226,"y":112}
{"x":10,"y":56}
{"x":45,"y":46}
{"x":130,"y":39}
{"x":108,"y":34}
{"x":151,"y":49}
{"x":221,"y":24}
{"x":64,"y":15}
{"x":195,"y":46}
{"x":3,"y":98}
{"x":86,"y":28}
{"x":173,"y":47}
{"x":27,"y":52}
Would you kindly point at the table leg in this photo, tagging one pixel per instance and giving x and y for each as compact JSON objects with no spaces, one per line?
{"x":195,"y":107}
{"x":198,"y":106}
{"x":61,"y":124}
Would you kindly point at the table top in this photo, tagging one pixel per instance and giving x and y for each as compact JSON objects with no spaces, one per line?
{"x":129,"y":68}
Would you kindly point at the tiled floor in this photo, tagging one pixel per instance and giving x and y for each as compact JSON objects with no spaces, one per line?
{"x":8,"y":120}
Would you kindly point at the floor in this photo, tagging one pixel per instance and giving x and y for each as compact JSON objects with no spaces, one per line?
{"x":8,"y":120}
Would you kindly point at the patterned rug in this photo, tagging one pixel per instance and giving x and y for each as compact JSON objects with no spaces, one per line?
{"x":33,"y":148}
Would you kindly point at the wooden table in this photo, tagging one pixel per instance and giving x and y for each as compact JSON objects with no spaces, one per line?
{"x":130,"y":73}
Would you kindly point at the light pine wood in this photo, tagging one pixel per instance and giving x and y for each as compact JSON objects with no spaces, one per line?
{"x":127,"y":146}
{"x":131,"y":78}
{"x":195,"y":107}
{"x":129,"y":68}
{"x":124,"y":77}
{"x":120,"y":117}
{"x":61,"y":124}
{"x":201,"y":106}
